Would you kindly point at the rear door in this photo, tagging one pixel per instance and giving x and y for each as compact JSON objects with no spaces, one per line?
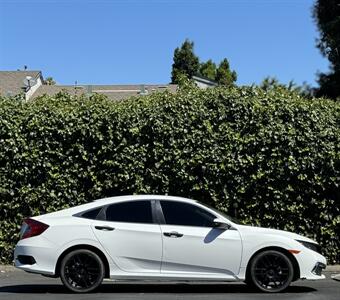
{"x":130,"y":236}
{"x":192,"y":246}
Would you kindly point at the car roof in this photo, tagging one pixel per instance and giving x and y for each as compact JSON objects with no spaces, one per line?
{"x":111,"y":200}
{"x":142,"y":197}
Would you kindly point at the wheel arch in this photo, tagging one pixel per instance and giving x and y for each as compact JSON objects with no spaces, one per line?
{"x":296,"y":267}
{"x":86,"y":247}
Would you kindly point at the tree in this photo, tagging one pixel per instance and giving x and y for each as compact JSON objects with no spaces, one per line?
{"x":49,"y":81}
{"x":327,"y":17}
{"x":271,"y":83}
{"x":208,"y":70}
{"x":185,"y":62}
{"x":224,"y":76}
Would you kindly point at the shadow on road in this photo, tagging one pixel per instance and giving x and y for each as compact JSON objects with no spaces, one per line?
{"x":147,"y":288}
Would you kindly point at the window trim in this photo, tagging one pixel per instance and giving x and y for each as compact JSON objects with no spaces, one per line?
{"x":156,"y":212}
{"x":159,"y":213}
{"x":162,"y":217}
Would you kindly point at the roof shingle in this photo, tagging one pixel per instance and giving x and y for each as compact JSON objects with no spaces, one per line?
{"x":114,"y":92}
{"x":12,"y":82}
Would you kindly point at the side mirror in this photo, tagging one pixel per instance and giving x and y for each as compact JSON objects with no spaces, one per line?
{"x":219,"y":223}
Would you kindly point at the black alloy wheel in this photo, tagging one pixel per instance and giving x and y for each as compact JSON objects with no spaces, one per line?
{"x":82,"y":271}
{"x":271,"y":271}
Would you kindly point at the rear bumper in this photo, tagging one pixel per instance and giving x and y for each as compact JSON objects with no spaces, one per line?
{"x":35,"y":259}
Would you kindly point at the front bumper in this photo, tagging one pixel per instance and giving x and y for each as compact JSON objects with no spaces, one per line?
{"x":311,"y":264}
{"x":317,"y":270}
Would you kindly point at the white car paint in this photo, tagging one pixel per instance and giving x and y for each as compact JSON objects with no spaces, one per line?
{"x":205,"y":251}
{"x":135,"y":249}
{"x":140,"y":251}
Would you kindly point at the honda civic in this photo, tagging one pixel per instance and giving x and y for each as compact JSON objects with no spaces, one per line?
{"x":161,"y":238}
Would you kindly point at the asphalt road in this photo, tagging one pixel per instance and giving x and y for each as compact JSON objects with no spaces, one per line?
{"x":24,"y":286}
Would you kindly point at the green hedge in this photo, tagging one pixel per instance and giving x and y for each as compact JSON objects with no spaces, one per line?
{"x":270,"y":158}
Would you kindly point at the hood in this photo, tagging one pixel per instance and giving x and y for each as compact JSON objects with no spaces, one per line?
{"x":276,"y":232}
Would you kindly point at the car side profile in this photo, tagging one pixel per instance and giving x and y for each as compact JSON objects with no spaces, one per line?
{"x":149,"y":237}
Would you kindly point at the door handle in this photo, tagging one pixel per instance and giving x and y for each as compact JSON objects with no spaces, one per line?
{"x":173,"y":234}
{"x":104,"y":228}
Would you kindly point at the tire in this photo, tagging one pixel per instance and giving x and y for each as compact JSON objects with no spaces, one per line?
{"x":270,"y":271}
{"x":82,"y":271}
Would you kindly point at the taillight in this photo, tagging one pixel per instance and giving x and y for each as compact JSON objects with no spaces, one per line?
{"x":32,"y":228}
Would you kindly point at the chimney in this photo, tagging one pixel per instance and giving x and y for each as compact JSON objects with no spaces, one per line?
{"x":143,"y":90}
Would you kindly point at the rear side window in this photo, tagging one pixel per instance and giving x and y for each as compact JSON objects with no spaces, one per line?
{"x":186,"y":214}
{"x":131,"y":212}
{"x":91,"y":214}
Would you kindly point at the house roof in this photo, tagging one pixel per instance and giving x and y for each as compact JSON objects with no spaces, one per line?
{"x":204,"y":80}
{"x":13,"y":81}
{"x":118,"y":92}
{"x":114,"y":92}
{"x":51,"y":90}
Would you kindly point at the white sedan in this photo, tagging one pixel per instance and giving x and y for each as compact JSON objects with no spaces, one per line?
{"x":165,"y":238}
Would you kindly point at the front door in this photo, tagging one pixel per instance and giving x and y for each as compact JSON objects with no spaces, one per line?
{"x":193,"y":247}
{"x":131,"y":237}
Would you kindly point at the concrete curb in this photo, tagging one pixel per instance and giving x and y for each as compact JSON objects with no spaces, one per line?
{"x":336,"y":277}
{"x":7,"y":268}
{"x":330,"y":269}
{"x":333,"y":268}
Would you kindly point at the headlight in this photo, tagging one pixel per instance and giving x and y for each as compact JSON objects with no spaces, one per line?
{"x":312,"y":246}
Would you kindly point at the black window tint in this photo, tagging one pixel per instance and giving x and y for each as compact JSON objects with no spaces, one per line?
{"x":177,"y":213}
{"x":91,"y":214}
{"x":133,"y":212}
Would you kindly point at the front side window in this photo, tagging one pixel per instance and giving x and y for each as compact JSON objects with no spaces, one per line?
{"x":186,"y":214}
{"x":131,"y":212}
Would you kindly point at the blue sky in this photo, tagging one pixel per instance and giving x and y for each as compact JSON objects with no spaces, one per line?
{"x":131,"y":41}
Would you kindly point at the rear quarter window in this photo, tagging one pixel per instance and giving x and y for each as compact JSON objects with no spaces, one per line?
{"x":90,"y":214}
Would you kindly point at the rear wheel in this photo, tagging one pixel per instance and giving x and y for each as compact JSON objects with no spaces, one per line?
{"x":82,"y":271}
{"x":271,"y":271}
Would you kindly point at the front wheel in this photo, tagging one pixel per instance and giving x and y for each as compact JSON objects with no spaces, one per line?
{"x":82,"y":271}
{"x":271,"y":271}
